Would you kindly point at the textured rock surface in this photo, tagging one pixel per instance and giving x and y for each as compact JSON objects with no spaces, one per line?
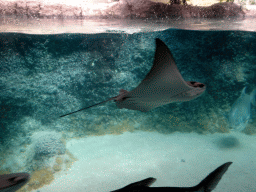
{"x":121,"y":9}
{"x":148,"y":9}
{"x":45,"y":76}
{"x":47,"y":143}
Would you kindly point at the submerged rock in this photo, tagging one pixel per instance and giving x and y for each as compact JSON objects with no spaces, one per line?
{"x":47,"y":143}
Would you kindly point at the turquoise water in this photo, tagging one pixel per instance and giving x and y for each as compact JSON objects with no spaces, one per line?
{"x":46,"y":76}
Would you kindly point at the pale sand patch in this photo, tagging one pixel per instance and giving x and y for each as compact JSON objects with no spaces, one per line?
{"x":110,"y":162}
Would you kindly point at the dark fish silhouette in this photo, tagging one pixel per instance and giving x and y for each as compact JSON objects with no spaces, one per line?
{"x":162,"y":85}
{"x":13,"y":182}
{"x":206,"y":185}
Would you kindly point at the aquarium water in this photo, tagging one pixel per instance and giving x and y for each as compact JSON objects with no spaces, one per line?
{"x":51,"y":68}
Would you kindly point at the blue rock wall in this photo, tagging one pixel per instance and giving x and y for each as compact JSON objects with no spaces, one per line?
{"x":45,"y":76}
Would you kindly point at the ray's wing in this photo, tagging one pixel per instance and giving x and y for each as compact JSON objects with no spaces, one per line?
{"x":164,"y":76}
{"x":140,"y":104}
{"x":138,"y":186}
{"x":163,"y":84}
{"x":13,"y":181}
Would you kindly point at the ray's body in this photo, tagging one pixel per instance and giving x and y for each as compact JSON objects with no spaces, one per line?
{"x":162,"y":85}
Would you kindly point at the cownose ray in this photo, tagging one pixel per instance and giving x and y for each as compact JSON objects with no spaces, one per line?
{"x":206,"y":185}
{"x":13,"y":182}
{"x":162,"y":85}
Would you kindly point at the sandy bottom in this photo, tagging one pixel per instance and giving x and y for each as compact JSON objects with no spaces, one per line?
{"x":110,"y":162}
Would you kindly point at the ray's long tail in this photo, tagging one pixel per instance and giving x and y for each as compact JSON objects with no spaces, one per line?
{"x":112,"y":98}
{"x":120,"y":97}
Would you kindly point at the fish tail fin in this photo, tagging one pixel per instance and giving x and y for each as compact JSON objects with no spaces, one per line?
{"x":212,"y":180}
{"x":252,"y":97}
{"x":88,"y":107}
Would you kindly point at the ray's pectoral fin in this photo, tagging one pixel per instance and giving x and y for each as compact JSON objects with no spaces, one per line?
{"x":142,"y":185}
{"x":212,"y":180}
{"x":162,"y":85}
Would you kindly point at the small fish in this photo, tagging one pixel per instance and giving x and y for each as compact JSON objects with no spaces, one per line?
{"x":12,"y":182}
{"x":162,"y":85}
{"x":206,"y":185}
{"x":240,"y":112}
